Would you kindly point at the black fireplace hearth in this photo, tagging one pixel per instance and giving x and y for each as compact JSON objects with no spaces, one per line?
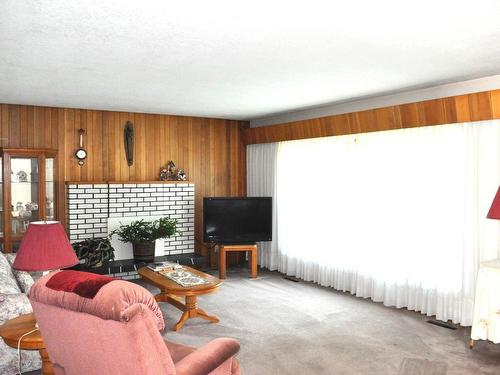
{"x":127,"y":268}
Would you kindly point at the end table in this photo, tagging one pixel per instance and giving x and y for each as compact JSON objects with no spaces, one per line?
{"x":13,"y":329}
{"x":252,"y":258}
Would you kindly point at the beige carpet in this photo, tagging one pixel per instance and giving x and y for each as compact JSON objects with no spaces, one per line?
{"x":302,"y":328}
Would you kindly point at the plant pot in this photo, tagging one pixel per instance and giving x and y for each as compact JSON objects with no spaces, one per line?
{"x":144,"y":251}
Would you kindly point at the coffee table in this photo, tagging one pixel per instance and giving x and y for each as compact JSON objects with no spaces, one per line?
{"x":172,"y":293}
{"x":14,"y":328}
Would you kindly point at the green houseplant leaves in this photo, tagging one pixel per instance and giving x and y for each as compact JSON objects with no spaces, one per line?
{"x":141,"y":231}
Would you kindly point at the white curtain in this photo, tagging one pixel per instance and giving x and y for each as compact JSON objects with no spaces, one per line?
{"x":261,"y":181}
{"x":396,"y":216}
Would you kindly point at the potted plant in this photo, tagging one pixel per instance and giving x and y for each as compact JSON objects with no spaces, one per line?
{"x":94,"y":252}
{"x":143,"y":234}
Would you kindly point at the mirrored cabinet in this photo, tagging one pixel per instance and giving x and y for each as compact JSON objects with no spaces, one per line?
{"x":28,"y":192}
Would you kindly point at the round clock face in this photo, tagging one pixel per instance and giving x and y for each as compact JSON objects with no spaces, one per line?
{"x":81,"y":154}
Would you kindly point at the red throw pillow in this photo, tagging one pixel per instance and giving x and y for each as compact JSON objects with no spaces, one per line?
{"x":85,"y":284}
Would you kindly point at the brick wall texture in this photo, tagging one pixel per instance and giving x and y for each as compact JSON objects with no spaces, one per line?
{"x":90,"y":206}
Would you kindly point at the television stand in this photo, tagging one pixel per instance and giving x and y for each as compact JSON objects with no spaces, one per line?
{"x":252,"y":258}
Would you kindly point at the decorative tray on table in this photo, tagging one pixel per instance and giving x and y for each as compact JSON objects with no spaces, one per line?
{"x":183,"y":277}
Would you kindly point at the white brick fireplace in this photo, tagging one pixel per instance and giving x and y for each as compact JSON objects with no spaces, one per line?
{"x":94,"y":209}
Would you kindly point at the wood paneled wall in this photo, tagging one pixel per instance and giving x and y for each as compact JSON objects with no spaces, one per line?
{"x":211,"y":151}
{"x":463,"y":108}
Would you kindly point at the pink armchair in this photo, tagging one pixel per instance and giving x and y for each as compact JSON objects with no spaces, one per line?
{"x":116,"y":331}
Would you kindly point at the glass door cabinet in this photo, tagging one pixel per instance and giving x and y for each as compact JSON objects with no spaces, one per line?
{"x":28,"y":192}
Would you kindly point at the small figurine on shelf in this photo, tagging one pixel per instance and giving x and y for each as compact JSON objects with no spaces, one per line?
{"x":163,"y":174}
{"x":32,"y":206}
{"x":171,"y":170}
{"x":25,"y":213}
{"x":50,"y":209}
{"x":181,"y":175}
{"x":22,"y":176}
{"x":21,"y":218}
{"x":172,"y":173}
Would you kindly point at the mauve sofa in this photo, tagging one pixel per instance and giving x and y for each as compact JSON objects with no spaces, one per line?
{"x":117,"y":331}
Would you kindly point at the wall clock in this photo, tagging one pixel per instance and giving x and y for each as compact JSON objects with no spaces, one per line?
{"x":81,"y":153}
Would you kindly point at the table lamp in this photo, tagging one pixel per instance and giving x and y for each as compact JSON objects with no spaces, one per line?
{"x":45,"y":247}
{"x":494,"y":212}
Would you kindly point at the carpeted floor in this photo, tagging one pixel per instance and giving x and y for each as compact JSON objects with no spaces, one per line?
{"x":301,"y":328}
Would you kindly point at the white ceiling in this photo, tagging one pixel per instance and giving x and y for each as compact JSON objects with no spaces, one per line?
{"x":234,"y":59}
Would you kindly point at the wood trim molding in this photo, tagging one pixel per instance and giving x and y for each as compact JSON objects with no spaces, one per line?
{"x":450,"y":110}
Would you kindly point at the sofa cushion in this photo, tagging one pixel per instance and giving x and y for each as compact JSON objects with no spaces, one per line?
{"x":8,"y":283}
{"x":23,"y":278}
{"x":84,"y":284}
{"x":13,"y":305}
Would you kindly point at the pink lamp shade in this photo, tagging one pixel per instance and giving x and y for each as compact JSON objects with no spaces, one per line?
{"x":494,"y":212}
{"x":45,"y":247}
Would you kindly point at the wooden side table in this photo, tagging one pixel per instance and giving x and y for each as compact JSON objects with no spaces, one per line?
{"x":252,"y":259}
{"x":13,"y":329}
{"x":486,"y":321}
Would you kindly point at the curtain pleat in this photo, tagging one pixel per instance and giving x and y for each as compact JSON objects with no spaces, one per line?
{"x":261,"y":182}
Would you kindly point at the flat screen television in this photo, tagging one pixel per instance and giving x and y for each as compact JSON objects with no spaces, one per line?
{"x":237,"y":220}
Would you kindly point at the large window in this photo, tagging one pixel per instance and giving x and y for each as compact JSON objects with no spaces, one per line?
{"x":397,"y":216}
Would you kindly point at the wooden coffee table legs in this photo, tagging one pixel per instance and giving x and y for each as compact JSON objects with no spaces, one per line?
{"x":189,"y":308}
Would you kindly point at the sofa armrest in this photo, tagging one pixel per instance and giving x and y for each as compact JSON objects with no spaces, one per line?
{"x":208,"y":357}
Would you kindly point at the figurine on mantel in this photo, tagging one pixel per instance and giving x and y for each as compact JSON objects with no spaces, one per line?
{"x":172,"y":173}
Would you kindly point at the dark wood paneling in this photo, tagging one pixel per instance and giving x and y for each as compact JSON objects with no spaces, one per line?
{"x":211,"y":151}
{"x":462,"y":108}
